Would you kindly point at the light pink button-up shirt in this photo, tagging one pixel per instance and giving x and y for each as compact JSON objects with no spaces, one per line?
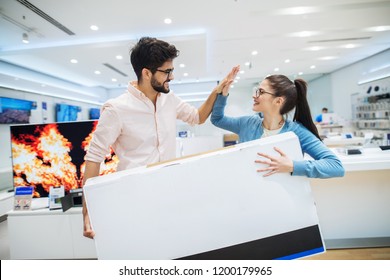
{"x":139,"y":133}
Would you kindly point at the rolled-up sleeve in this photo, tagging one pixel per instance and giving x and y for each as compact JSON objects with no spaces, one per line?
{"x":186,"y":112}
{"x":107,"y":131}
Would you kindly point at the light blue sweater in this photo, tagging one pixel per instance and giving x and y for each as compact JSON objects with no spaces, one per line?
{"x":325,"y":164}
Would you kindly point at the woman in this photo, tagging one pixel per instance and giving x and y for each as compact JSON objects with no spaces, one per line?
{"x":276,"y":96}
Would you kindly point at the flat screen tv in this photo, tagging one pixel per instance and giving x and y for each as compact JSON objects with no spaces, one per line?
{"x":66,"y":113}
{"x":13,"y":111}
{"x":94,"y":113}
{"x":52,"y":155}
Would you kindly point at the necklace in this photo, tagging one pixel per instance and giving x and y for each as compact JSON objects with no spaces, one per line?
{"x":269,"y":132}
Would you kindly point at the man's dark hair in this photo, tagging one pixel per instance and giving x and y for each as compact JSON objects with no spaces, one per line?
{"x":151,"y":53}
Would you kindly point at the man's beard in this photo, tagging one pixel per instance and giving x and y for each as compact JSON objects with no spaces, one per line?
{"x":159,"y":87}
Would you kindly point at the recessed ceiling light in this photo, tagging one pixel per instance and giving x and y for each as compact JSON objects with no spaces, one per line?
{"x":185,"y":74}
{"x":312,"y":67}
{"x":167,"y":21}
{"x":287,"y":61}
{"x":247,"y":63}
{"x":350,"y":46}
{"x":327,"y":57}
{"x":378,"y":28}
{"x":276,"y":69}
{"x":304,"y":34}
{"x":238,"y":77}
{"x":182,"y":65}
{"x":242,"y":72}
{"x":73,"y":61}
{"x":97,"y":72}
{"x":300,"y":73}
{"x":254,"y":52}
{"x":113,"y":79}
{"x":94,"y":27}
{"x":298,"y":11}
{"x":119,"y":57}
{"x":315,"y":48}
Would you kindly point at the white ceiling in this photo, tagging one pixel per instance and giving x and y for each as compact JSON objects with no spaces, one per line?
{"x":212,"y":36}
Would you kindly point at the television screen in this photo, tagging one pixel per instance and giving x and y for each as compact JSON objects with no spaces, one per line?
{"x":94,"y":113}
{"x":66,"y":113}
{"x":15,"y":110}
{"x":52,"y":155}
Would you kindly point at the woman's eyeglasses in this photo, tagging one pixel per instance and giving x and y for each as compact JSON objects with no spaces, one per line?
{"x":260,"y":91}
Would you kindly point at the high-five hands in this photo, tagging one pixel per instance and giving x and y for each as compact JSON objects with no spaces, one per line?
{"x":275,"y":163}
{"x":225,"y":84}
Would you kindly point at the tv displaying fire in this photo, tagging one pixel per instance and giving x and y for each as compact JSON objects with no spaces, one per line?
{"x":52,"y":155}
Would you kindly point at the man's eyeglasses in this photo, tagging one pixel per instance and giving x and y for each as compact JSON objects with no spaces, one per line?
{"x":260,"y":91}
{"x":167,"y":71}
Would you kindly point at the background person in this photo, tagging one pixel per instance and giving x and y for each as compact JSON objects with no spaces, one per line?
{"x":319,"y":117}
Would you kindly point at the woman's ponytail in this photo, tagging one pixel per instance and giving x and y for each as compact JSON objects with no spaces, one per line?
{"x":302,"y":109}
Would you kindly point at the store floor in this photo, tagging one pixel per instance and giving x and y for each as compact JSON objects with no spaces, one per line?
{"x":336,"y":254}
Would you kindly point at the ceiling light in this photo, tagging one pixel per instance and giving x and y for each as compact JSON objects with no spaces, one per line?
{"x":74,"y":61}
{"x":276,"y":69}
{"x":113,"y":79}
{"x":94,"y":27}
{"x":378,"y":28}
{"x":254,"y":52}
{"x":119,"y":57}
{"x":298,"y":11}
{"x":97,"y":72}
{"x":312,"y":67}
{"x":304,"y":34}
{"x":315,"y":48}
{"x":350,"y":46}
{"x":327,"y":57}
{"x":185,"y":74}
{"x":25,"y":38}
{"x":287,"y":61}
{"x":182,"y":65}
{"x":167,"y":21}
{"x":247,"y":63}
{"x":300,"y":73}
{"x":242,"y":72}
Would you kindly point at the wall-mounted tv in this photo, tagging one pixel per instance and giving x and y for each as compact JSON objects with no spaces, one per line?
{"x":14,"y":111}
{"x":46,"y":155}
{"x":66,"y":113}
{"x":94,"y":113}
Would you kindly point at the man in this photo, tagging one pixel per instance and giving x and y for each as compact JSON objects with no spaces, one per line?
{"x":319,"y":117}
{"x":140,"y":125}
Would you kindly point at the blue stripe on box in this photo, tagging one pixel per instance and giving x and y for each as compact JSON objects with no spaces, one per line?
{"x":289,"y":245}
{"x":303,"y":254}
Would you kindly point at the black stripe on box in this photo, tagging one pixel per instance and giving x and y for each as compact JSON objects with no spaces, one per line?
{"x":289,"y":245}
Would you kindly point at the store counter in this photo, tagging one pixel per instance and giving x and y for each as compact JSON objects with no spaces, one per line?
{"x":49,"y":234}
{"x":354,"y":211}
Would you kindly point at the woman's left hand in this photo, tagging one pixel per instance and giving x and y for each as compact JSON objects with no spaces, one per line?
{"x":276,"y":164}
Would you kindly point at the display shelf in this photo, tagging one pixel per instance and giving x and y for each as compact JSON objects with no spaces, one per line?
{"x":371,"y":111}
